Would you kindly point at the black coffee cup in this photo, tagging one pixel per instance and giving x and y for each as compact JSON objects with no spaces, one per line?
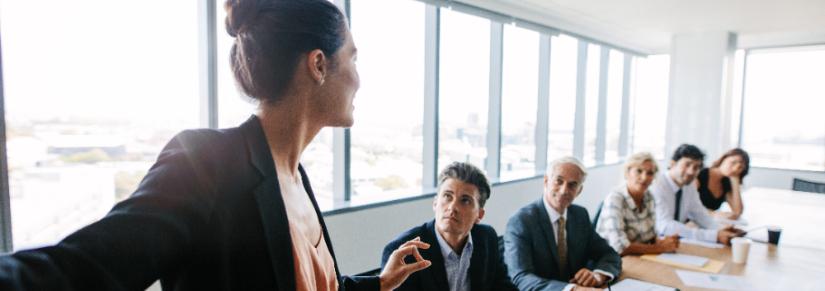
{"x":773,"y":234}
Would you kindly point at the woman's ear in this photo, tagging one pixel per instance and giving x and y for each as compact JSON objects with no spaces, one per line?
{"x":317,"y":65}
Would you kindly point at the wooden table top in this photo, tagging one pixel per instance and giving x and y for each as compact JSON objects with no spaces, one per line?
{"x":797,"y":263}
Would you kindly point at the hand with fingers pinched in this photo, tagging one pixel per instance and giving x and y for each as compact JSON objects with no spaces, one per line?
{"x":397,"y":270}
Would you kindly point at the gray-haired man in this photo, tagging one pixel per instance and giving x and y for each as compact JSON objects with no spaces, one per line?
{"x":550,"y":242}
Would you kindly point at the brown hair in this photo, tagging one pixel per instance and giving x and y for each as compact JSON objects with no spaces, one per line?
{"x":467,"y":173}
{"x":270,"y":37}
{"x":735,"y":152}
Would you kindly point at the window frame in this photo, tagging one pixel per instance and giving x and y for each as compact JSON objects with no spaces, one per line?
{"x":342,"y":187}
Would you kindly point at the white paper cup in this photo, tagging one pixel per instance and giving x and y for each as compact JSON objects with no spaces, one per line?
{"x":740,"y":247}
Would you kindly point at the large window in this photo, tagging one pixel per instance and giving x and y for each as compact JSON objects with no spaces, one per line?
{"x":91,"y":99}
{"x":783,"y":121}
{"x":649,"y":111}
{"x":234,"y":108}
{"x":563,"y":52}
{"x":82,"y":133}
{"x":464,"y":93}
{"x":387,"y":144}
{"x":519,"y":96}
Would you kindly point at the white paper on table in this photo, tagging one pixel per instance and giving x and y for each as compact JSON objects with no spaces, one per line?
{"x":713,"y":281}
{"x":701,"y":243}
{"x":636,"y":285}
{"x":738,"y":222}
{"x":696,"y":261}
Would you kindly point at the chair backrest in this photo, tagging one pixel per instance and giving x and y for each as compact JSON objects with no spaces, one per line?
{"x":598,"y":213}
{"x":808,"y":186}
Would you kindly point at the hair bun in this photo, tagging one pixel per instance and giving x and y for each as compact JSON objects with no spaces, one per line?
{"x":239,"y":15}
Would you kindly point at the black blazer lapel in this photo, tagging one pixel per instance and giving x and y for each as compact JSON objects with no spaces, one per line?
{"x":311,"y":194}
{"x":543,"y":221}
{"x":439,"y":273}
{"x":271,"y":205}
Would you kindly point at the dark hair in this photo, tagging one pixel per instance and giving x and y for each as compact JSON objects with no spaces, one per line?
{"x":271,"y":35}
{"x":467,"y":173}
{"x":746,"y":159}
{"x":688,"y":151}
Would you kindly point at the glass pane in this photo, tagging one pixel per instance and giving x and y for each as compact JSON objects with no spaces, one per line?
{"x":563,"y":54}
{"x":387,"y":142}
{"x":783,"y":124}
{"x":591,"y":103}
{"x":649,"y":94}
{"x":89,"y":104}
{"x":464,"y":93}
{"x":518,"y":99}
{"x":615,"y":80}
{"x":234,"y":108}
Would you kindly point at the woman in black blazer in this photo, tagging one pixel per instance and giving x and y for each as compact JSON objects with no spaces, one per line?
{"x":232,"y":209}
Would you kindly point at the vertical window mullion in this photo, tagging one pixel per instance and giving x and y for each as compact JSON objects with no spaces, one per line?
{"x":625,"y":115}
{"x":5,"y":206}
{"x":341,"y":184}
{"x":543,"y":104}
{"x":601,"y":119}
{"x":581,"y":84}
{"x":742,"y":103}
{"x":207,"y":60}
{"x":494,"y":117}
{"x":431,"y":114}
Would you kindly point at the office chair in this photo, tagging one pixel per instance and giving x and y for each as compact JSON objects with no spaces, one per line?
{"x":598,"y":213}
{"x":808,"y":186}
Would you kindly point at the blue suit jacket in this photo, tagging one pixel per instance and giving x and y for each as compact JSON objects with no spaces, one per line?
{"x":531,"y":252}
{"x":208,"y":216}
{"x":487,"y":270}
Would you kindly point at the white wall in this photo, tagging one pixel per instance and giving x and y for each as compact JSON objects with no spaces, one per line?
{"x":778,"y":178}
{"x":359,"y":237}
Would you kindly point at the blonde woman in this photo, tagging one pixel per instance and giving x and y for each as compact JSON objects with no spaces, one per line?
{"x":628,"y":219}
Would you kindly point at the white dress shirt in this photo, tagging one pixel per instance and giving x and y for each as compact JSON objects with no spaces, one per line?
{"x":664,"y":193}
{"x":554,"y":220}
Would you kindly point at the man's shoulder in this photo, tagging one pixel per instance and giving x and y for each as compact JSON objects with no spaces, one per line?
{"x":576,"y":211}
{"x":527,"y":217}
{"x":531,"y":209}
{"x":484,"y":231}
{"x":659,"y":187}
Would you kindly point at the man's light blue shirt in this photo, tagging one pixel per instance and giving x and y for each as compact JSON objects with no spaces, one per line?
{"x":457,"y":266}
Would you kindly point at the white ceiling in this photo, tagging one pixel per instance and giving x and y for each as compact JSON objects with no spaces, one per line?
{"x":648,"y":25}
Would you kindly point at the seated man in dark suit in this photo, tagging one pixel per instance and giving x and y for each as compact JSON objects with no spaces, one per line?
{"x":464,"y":253}
{"x":549,"y":243}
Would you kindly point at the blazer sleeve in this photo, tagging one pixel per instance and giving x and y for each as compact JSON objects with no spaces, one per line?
{"x":501,"y":279}
{"x":360,"y":283}
{"x":519,"y":254}
{"x":138,"y":241}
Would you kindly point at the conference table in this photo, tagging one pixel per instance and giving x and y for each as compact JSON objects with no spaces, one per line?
{"x":796,"y":263}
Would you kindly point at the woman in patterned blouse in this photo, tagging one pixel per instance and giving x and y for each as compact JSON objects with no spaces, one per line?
{"x":628,"y":219}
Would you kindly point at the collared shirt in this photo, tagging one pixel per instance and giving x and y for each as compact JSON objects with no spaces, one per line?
{"x":622,"y":222}
{"x":664,"y":193}
{"x":457,"y":266}
{"x":554,"y":220}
